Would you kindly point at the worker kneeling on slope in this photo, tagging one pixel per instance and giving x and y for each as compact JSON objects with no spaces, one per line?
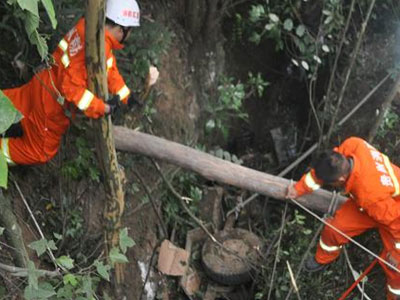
{"x":45,"y":99}
{"x":372,"y":183}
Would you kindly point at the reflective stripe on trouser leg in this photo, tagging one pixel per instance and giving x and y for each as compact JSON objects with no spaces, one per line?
{"x":393,"y":290}
{"x":6,"y":151}
{"x":328,"y":248}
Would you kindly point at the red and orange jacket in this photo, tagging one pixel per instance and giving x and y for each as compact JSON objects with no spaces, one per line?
{"x":71,"y":75}
{"x":373,"y":182}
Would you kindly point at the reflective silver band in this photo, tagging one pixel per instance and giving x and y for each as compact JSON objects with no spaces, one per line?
{"x":86,"y":99}
{"x":6,"y":151}
{"x":328,"y":248}
{"x":124,"y":92}
{"x":394,"y":291}
{"x":310,"y":182}
{"x":110,"y":63}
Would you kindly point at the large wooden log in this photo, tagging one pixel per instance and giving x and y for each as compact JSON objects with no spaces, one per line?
{"x":214,"y":168}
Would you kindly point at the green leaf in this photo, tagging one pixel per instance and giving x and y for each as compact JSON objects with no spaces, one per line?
{"x":44,"y":291}
{"x":48,"y":5}
{"x":39,"y":246}
{"x":125,"y":241}
{"x":29,"y":5}
{"x":102,"y":269}
{"x":87,"y":287}
{"x":288,"y":24}
{"x":57,"y":236}
{"x":300,"y":30}
{"x":51,"y":245}
{"x":70,"y":279}
{"x":1,"y":230}
{"x":117,"y":257}
{"x":31,"y":23}
{"x":3,"y":171}
{"x":66,"y":262}
{"x":8,"y":113}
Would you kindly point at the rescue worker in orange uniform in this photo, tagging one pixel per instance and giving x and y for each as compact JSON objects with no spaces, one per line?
{"x":372,"y":182}
{"x":43,"y":101}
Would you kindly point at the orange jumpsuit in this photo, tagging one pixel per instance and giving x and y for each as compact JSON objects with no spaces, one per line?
{"x":44,"y":99}
{"x":373,"y":186}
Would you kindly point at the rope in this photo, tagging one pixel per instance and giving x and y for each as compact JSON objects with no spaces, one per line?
{"x":355,"y":276}
{"x":345,"y":235}
{"x":361,"y":277}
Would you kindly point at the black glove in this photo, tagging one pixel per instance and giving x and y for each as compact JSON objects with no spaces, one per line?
{"x":133,"y":100}
{"x":15,"y":130}
{"x":114,"y":101}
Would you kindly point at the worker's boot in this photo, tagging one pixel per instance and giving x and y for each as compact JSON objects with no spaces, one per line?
{"x":312,"y":265}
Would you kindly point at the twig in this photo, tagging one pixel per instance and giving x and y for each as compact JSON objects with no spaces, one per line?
{"x":38,"y":227}
{"x":300,"y":268}
{"x":293,"y":280}
{"x":384,"y":109}
{"x":149,"y":268}
{"x":277,"y":252}
{"x":338,"y":53}
{"x":23,"y":272}
{"x":350,"y":69}
{"x":153,"y":204}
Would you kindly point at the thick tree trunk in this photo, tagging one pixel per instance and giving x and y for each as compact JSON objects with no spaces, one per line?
{"x":214,"y":168}
{"x":97,"y":83}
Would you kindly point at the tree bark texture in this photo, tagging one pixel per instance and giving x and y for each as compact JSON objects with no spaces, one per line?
{"x":13,"y":231}
{"x":97,"y":83}
{"x":216,"y":169}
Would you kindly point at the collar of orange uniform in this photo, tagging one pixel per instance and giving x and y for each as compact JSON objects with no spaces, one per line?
{"x":113,"y":41}
{"x":353,"y":174}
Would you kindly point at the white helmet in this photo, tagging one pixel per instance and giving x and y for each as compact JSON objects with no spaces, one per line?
{"x":123,"y":12}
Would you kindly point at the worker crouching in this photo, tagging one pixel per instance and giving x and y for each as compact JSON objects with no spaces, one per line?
{"x":372,"y":183}
{"x":46,"y":99}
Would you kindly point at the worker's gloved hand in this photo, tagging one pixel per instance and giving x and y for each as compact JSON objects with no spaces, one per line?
{"x":134,"y":100}
{"x":153,"y":75}
{"x":114,"y":102}
{"x":291,"y":192}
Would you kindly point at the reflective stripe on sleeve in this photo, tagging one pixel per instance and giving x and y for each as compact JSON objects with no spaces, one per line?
{"x":310,"y":182}
{"x":6,"y":151}
{"x":388,"y":166}
{"x":124,"y":92}
{"x":393,"y":291}
{"x":110,"y":63}
{"x":397,"y":245}
{"x":63,"y":45}
{"x":65,"y":60}
{"x":86,"y":99}
{"x":328,"y":248}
